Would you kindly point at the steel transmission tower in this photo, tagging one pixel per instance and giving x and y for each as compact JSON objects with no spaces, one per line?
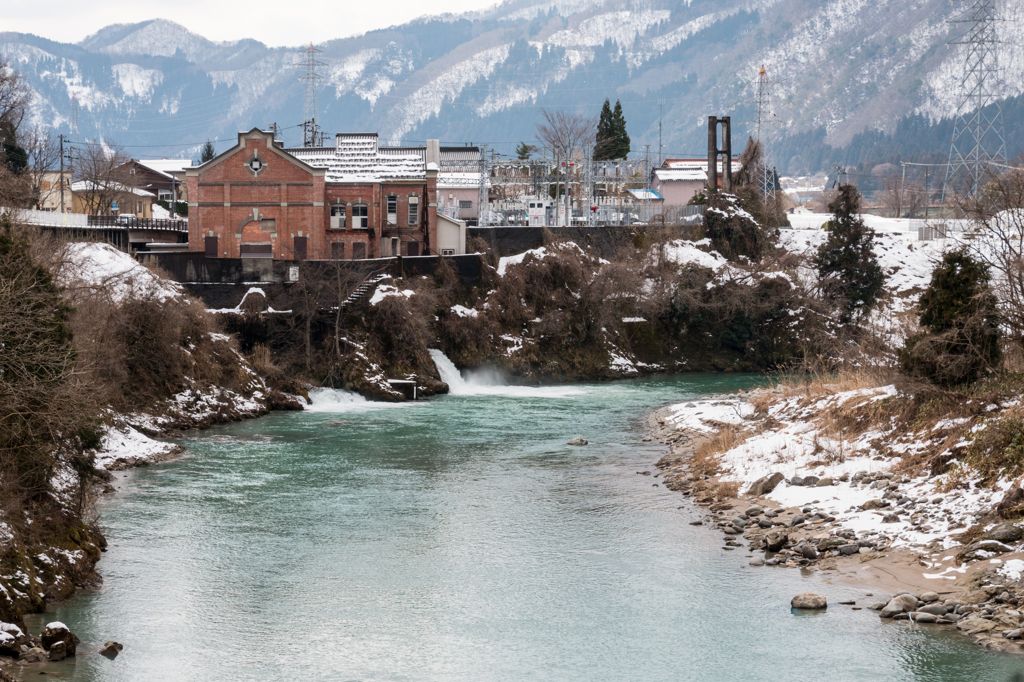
{"x":766,"y":181}
{"x":311,"y":134}
{"x":978,"y":139}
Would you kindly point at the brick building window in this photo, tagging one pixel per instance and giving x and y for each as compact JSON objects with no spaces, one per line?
{"x":338,"y":250}
{"x":358,"y":251}
{"x":268,"y":225}
{"x":300,"y":248}
{"x":412,"y":249}
{"x":414,"y":210}
{"x":338,"y":217}
{"x":392,"y":210}
{"x":359,"y":217}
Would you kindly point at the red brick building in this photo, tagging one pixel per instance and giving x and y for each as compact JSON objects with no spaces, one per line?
{"x":353,"y":200}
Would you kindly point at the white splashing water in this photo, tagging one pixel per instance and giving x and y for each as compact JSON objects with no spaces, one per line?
{"x":490,"y":382}
{"x":338,"y":400}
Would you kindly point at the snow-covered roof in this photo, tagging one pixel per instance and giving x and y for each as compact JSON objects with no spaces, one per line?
{"x":644,"y":194}
{"x":687,"y":175}
{"x":458,"y":180}
{"x":90,"y":186}
{"x":356,"y":157}
{"x":166,"y":166}
{"x":696,"y":164}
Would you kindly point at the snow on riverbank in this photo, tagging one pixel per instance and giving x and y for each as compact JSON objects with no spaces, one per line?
{"x":101,"y":266}
{"x":794,"y":433}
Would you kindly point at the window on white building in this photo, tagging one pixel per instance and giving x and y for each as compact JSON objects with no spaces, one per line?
{"x":465,"y":204}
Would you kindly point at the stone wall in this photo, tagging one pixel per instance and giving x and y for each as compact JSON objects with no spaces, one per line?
{"x":508,"y":241}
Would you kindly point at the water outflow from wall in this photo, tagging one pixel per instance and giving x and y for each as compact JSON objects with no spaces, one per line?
{"x":338,"y":400}
{"x":491,"y":382}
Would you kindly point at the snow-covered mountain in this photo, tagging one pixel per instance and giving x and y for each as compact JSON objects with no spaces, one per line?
{"x":837,"y":70}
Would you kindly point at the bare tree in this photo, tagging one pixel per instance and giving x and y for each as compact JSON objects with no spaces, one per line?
{"x":566,"y":135}
{"x":104,"y":175}
{"x":14,"y":96}
{"x":43,"y":158}
{"x":994,"y":234}
{"x":15,"y":188}
{"x":893,"y":196}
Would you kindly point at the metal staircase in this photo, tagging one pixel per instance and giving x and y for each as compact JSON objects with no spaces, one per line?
{"x":365,"y":287}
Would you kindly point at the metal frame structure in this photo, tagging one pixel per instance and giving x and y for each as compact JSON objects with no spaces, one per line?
{"x":978,"y":139}
{"x":540,"y":174}
{"x":312,"y":136}
{"x":766,"y":181}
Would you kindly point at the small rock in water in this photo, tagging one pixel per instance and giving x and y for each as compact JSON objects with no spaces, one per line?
{"x":757,"y":561}
{"x":810,"y":552}
{"x":696,"y":523}
{"x":58,"y":652}
{"x":33,"y":655}
{"x":646,"y":439}
{"x":111,"y":649}
{"x":809,"y":601}
{"x":578,"y":441}
{"x":848,"y":602}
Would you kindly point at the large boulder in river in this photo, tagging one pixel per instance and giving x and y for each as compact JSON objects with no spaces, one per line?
{"x":765,"y":485}
{"x":58,"y":632}
{"x":809,"y":601}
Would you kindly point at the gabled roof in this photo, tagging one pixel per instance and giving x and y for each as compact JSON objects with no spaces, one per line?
{"x":644,"y":194}
{"x":90,"y":186}
{"x":357,"y":157}
{"x":687,"y":175}
{"x":696,"y":164}
{"x":166,"y":166}
{"x":273,"y":146}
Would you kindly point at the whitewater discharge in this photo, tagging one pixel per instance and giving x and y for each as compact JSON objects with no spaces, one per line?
{"x":490,"y":382}
{"x":337,"y":400}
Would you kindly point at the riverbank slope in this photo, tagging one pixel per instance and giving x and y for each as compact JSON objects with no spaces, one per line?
{"x":857,"y":483}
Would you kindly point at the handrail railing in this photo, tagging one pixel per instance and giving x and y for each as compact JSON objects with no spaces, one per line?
{"x":130,"y":221}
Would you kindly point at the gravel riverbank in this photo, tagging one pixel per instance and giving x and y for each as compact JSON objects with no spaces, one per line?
{"x":758,"y":464}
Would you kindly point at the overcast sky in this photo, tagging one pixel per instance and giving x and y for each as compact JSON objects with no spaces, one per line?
{"x":274,"y":23}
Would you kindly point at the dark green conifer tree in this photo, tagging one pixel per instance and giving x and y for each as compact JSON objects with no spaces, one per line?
{"x":961,"y":322}
{"x":848,"y":272}
{"x":523,"y":151}
{"x":619,"y":131}
{"x":606,"y":144}
{"x":208,"y":152}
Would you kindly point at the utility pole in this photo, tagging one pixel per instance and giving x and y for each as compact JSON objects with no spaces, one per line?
{"x":647,"y":183}
{"x":661,"y":114}
{"x":273,"y":129}
{"x":61,"y":181}
{"x":903,"y":188}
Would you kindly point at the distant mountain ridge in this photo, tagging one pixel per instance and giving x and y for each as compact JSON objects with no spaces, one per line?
{"x":840,"y":72}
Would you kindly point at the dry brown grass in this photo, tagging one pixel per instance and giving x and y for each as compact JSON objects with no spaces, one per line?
{"x":261,"y":360}
{"x":707,"y":456}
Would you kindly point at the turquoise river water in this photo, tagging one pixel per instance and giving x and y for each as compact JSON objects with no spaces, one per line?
{"x":460,"y":539}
